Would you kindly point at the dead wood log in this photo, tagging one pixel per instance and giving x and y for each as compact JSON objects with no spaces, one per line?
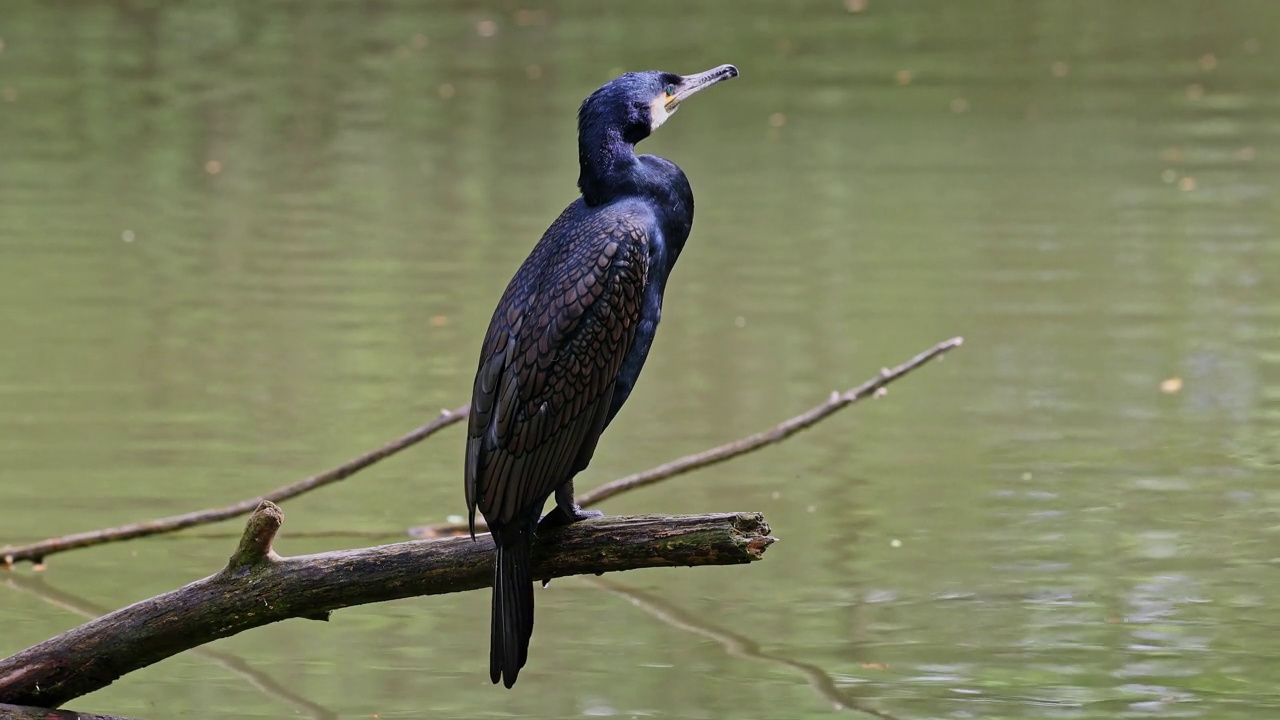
{"x":258,"y":587}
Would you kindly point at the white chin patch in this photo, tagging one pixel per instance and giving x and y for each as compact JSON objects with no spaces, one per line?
{"x":658,"y":113}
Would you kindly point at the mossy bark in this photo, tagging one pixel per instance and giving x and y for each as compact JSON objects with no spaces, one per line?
{"x":259,"y":587}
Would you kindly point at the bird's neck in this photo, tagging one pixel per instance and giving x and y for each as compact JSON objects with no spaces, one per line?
{"x":607,"y":166}
{"x":611,"y":170}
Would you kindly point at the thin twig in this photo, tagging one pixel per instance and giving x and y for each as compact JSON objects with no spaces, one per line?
{"x":775,"y":434}
{"x":36,"y":552}
{"x":338,"y":534}
{"x":738,"y":645}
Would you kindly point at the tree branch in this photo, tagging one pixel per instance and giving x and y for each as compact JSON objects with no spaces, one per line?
{"x":258,"y":587}
{"x":873,"y":387}
{"x":776,"y":434}
{"x":36,"y":586}
{"x":36,"y":552}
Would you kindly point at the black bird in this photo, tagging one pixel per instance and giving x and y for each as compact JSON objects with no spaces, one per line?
{"x":570,"y":334}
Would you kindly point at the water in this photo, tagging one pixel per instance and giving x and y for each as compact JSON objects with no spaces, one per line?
{"x":242,"y":242}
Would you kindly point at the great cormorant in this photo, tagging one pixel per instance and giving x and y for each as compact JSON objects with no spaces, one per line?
{"x":570,"y":334}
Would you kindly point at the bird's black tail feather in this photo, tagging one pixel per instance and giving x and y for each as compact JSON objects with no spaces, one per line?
{"x":512,"y":608}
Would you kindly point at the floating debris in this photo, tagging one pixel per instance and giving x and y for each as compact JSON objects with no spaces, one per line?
{"x":526,"y":18}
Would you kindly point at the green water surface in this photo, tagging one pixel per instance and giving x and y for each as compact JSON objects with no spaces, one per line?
{"x":241,"y":242}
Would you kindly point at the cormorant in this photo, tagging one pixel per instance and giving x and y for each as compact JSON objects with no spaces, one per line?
{"x":570,"y":334}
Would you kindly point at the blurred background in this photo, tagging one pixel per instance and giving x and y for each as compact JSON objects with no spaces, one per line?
{"x":241,"y":242}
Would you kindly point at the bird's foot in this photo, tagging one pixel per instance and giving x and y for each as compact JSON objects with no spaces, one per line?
{"x":559,"y":518}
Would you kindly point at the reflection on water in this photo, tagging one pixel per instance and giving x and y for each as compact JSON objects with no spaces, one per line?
{"x":242,"y":242}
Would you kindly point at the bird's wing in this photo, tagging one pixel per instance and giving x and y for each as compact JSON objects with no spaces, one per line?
{"x":550,"y":358}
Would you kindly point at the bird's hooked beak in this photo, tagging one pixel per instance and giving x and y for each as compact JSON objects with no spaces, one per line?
{"x":692,"y":84}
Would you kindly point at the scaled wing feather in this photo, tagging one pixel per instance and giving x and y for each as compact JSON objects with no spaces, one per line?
{"x":553,"y":351}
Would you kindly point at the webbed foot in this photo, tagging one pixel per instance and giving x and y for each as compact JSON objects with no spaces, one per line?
{"x":559,"y":518}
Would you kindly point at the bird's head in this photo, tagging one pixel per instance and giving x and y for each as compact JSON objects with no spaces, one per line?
{"x":635,"y":104}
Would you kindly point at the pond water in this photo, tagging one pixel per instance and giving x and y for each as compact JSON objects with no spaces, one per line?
{"x":242,"y":242}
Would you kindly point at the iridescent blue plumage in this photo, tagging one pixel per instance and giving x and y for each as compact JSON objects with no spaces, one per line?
{"x":571,"y":333}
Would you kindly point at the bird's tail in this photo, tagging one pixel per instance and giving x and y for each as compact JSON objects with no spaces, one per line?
{"x":512,"y":608}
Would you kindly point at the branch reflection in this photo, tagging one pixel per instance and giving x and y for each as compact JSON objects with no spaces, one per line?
{"x":737,"y":645}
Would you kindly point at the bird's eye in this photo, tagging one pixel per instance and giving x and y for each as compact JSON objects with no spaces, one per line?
{"x":671,"y":90}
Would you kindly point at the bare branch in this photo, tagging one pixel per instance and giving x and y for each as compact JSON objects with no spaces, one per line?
{"x":271,"y":588}
{"x":36,"y":586}
{"x":36,"y":552}
{"x":776,"y":434}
